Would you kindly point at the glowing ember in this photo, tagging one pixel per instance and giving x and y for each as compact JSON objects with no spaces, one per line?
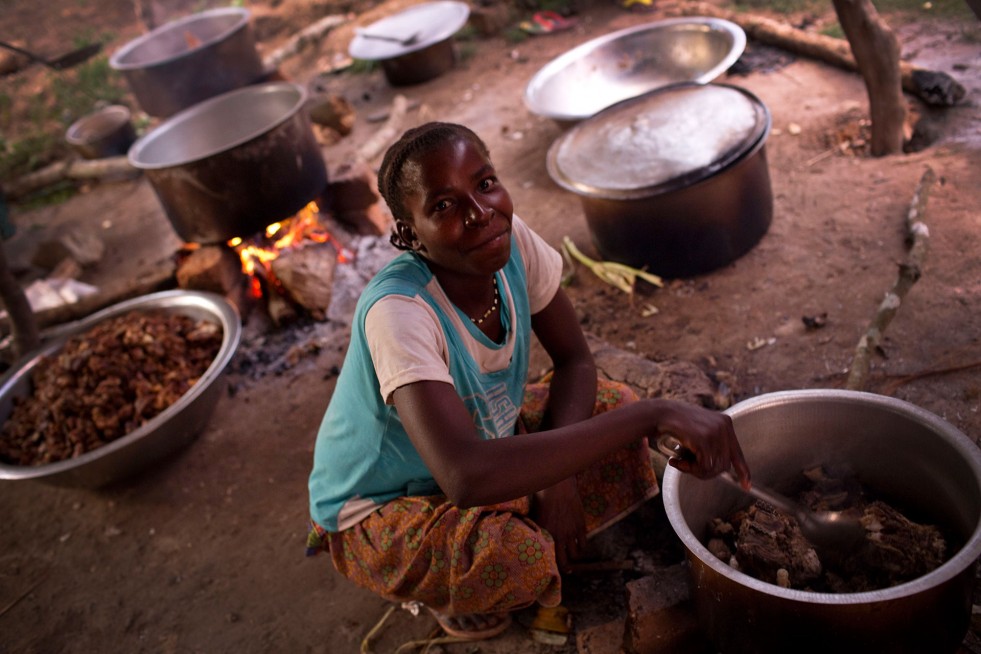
{"x":258,"y":254}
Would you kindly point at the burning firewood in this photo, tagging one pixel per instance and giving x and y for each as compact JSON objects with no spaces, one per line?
{"x":210,"y":268}
{"x":306,"y":275}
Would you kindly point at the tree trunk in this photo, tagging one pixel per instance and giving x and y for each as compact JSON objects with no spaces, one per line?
{"x":23,"y":326}
{"x":876,"y":51}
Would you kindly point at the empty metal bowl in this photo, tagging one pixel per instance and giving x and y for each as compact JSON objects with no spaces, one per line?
{"x":633,"y":61}
{"x":169,"y":431}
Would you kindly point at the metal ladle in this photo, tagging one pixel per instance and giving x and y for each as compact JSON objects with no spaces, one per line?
{"x":832,"y":533}
{"x":407,"y":41}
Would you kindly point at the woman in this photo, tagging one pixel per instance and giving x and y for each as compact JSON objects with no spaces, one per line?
{"x":428,"y":485}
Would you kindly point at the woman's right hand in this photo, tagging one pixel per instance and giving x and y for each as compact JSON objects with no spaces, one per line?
{"x":707,"y":440}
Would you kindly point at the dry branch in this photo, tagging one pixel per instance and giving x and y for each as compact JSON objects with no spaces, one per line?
{"x":123,"y":289}
{"x":933,"y":87}
{"x":388,"y":132}
{"x":918,"y":235}
{"x":309,"y":34}
{"x":69,"y":169}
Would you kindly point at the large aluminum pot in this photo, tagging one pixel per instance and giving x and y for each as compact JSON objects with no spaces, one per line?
{"x":674,"y":180}
{"x":915,"y":460}
{"x":232,"y":165}
{"x":189,"y":60}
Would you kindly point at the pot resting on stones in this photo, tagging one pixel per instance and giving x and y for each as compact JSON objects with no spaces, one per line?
{"x":905,"y":455}
{"x":235,"y":163}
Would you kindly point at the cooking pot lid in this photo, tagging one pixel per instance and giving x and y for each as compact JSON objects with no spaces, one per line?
{"x":665,"y":139}
{"x":429,"y":22}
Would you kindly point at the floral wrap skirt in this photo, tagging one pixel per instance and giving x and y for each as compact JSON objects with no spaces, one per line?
{"x":484,"y":559}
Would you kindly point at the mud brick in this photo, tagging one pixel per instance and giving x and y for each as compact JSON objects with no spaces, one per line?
{"x":660,"y":617}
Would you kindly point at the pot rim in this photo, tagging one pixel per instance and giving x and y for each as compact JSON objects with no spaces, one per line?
{"x":952,"y":567}
{"x":685,"y":180}
{"x":580,"y":51}
{"x":222,"y":311}
{"x":205,"y":106}
{"x":116,"y":117}
{"x":117,"y":60}
{"x":457,"y":14}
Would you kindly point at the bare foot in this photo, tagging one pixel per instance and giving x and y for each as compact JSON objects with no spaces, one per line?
{"x":473,"y":626}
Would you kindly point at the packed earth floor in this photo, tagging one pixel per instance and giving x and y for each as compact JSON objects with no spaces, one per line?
{"x":205,"y":552}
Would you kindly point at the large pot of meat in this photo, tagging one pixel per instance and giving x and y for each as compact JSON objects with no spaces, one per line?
{"x":234,"y":164}
{"x":189,"y":60}
{"x":908,"y":586}
{"x":674,"y":180}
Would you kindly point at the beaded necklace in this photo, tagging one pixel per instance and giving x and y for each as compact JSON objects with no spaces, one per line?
{"x":478,"y":321}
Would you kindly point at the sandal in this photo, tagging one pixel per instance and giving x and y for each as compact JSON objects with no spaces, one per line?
{"x":546,"y":22}
{"x":638,"y":6}
{"x":445,"y":623}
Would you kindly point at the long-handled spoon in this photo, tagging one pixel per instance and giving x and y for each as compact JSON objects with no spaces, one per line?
{"x":407,"y":41}
{"x":832,"y":533}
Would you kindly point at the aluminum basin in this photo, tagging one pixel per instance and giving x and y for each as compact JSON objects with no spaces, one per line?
{"x":168,"y":432}
{"x":632,"y":61}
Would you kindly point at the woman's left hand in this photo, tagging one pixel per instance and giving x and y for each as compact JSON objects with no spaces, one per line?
{"x":559,"y":510}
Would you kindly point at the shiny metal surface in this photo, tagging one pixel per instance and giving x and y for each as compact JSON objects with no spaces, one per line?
{"x":171,"y":430}
{"x":426,"y":49}
{"x":105,"y":132}
{"x":189,"y":60}
{"x":686,"y":225}
{"x":909,"y":455}
{"x":234,"y":164}
{"x":632,"y":61}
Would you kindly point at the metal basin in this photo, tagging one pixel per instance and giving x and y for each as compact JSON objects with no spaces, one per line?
{"x":909,"y":456}
{"x":632,"y":61}
{"x":430,"y":54}
{"x":168,"y":432}
{"x":189,"y":60}
{"x":234,"y":164}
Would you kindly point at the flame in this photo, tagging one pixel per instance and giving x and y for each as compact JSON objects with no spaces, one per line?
{"x":303,"y":227}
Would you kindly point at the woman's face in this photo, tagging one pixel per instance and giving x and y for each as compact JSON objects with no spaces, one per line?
{"x":461,"y":211}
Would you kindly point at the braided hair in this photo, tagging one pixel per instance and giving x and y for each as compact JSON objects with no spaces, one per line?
{"x":415,"y":141}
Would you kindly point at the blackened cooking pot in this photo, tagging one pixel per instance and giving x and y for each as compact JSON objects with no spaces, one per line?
{"x":908,"y":456}
{"x":189,"y":60}
{"x":234,"y":164}
{"x":674,"y":180}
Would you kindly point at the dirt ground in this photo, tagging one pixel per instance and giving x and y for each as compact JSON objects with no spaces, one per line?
{"x":205,"y":552}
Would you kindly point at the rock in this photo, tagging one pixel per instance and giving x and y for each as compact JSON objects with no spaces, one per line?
{"x":660,"y":618}
{"x":606,"y":638}
{"x":77,"y":242}
{"x":678,"y":380}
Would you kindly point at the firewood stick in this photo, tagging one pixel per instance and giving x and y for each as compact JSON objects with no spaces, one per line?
{"x":388,"y":132}
{"x":156,"y":280}
{"x":910,"y":270}
{"x":69,"y":169}
{"x":309,"y":34}
{"x":933,"y":87}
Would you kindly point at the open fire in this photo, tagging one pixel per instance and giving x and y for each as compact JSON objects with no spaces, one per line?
{"x":288,"y":268}
{"x":259,"y":253}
